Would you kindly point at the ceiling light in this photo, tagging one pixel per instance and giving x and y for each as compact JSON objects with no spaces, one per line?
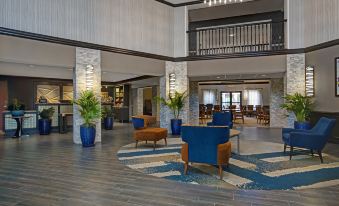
{"x":220,"y":2}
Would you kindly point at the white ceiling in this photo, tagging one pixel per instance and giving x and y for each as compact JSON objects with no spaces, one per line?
{"x":23,"y":57}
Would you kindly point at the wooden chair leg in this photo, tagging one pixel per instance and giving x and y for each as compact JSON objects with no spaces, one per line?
{"x":312,"y":153}
{"x":291,"y":153}
{"x":165,"y":141}
{"x":185,"y":168}
{"x":154,"y":145}
{"x":285,"y":148}
{"x":220,"y":172}
{"x":136,"y":144}
{"x":321,"y":156}
{"x":146,"y":141}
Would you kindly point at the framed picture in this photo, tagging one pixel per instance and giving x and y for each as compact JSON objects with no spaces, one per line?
{"x":337,"y":77}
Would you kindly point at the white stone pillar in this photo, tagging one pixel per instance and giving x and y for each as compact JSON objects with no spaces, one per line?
{"x":295,"y":78}
{"x":278,"y":117}
{"x":194,"y":103}
{"x":140,"y":101}
{"x":85,"y":57}
{"x":181,"y":85}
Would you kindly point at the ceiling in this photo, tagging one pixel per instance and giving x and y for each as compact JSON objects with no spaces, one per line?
{"x":23,"y":57}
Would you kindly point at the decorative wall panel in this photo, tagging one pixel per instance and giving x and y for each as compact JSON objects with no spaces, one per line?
{"x":50,"y":92}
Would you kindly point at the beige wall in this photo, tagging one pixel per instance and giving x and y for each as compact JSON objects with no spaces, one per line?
{"x":141,"y":25}
{"x":250,"y":65}
{"x":323,"y":62}
{"x":311,"y":22}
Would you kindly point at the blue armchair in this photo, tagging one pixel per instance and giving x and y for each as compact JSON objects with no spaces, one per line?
{"x":209,"y":145}
{"x":221,"y":119}
{"x":314,"y":139}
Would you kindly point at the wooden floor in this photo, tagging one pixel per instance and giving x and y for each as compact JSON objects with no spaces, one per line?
{"x":51,"y":170}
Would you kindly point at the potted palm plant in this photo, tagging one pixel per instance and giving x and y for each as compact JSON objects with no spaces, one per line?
{"x":301,"y":106}
{"x":90,"y":110}
{"x":108,"y":116}
{"x":17,"y":109}
{"x":175,"y":103}
{"x":45,"y":123}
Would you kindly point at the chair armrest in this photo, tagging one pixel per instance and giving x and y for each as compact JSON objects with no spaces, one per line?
{"x":289,"y":130}
{"x":224,"y":153}
{"x":210,"y":124}
{"x":307,"y":140}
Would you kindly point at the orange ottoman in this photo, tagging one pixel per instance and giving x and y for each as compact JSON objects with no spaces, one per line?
{"x":150,"y":134}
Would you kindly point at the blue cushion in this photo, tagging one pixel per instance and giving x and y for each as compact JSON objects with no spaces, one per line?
{"x":203,"y":142}
{"x":138,"y":123}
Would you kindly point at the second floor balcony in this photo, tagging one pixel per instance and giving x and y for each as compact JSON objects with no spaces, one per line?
{"x":239,"y":38}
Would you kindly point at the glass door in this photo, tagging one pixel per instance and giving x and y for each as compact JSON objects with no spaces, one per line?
{"x":231,"y":98}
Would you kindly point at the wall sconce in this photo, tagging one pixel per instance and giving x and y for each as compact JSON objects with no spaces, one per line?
{"x":89,"y":77}
{"x":172,"y":79}
{"x":309,"y":81}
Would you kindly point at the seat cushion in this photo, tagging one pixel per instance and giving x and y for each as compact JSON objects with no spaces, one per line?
{"x":150,"y":134}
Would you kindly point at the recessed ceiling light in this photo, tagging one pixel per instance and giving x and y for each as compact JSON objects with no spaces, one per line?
{"x":31,"y":66}
{"x":263,"y":75}
{"x":218,"y":77}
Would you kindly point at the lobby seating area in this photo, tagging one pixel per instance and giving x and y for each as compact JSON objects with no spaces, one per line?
{"x":169,"y":102}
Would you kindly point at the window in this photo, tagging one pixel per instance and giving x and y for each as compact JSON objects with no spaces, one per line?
{"x":254,"y":97}
{"x":208,"y":97}
{"x":230,"y":98}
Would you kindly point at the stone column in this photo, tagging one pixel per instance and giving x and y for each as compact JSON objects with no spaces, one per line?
{"x":85,"y":57}
{"x":194,"y":103}
{"x":140,"y":101}
{"x":295,"y":78}
{"x":154,"y":102}
{"x":181,"y":85}
{"x":277,"y":115}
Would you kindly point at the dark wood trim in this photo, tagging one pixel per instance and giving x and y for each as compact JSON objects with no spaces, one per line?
{"x":69,"y":42}
{"x":132,"y":79}
{"x":240,"y":83}
{"x":57,"y":40}
{"x":181,"y":4}
{"x":336,"y":61}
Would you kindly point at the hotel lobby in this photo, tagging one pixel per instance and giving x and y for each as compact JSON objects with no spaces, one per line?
{"x":169,"y":102}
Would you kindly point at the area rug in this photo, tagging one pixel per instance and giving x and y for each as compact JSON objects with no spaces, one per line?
{"x":261,"y":166}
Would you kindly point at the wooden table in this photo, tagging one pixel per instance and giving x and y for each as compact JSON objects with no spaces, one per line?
{"x":236,"y":133}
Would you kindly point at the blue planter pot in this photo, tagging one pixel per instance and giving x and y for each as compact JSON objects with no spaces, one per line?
{"x":87,"y":135}
{"x":176,"y":126}
{"x":302,"y":125}
{"x":108,"y":123}
{"x":45,"y":126}
{"x":18,"y":113}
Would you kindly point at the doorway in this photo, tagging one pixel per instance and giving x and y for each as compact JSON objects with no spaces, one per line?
{"x":231,"y":98}
{"x":3,"y":101}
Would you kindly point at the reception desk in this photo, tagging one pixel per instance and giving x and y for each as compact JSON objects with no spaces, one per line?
{"x":62,"y":119}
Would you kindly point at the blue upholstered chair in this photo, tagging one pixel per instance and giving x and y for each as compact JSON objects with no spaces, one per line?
{"x":221,"y":119}
{"x":209,"y":145}
{"x":314,"y":139}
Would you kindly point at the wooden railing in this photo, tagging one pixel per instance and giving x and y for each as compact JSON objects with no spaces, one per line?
{"x":242,"y":38}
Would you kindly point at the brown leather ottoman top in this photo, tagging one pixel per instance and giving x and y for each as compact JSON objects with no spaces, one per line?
{"x":150,"y":134}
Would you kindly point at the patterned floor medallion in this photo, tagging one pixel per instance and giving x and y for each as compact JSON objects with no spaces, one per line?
{"x":260,"y":166}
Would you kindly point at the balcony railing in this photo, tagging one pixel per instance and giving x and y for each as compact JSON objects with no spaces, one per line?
{"x":244,"y":38}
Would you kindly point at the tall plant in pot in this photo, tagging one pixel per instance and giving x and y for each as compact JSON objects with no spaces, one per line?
{"x":108,"y":116}
{"x":90,"y":110}
{"x":176,"y":103}
{"x":301,"y":106}
{"x":45,"y":123}
{"x":17,"y":109}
